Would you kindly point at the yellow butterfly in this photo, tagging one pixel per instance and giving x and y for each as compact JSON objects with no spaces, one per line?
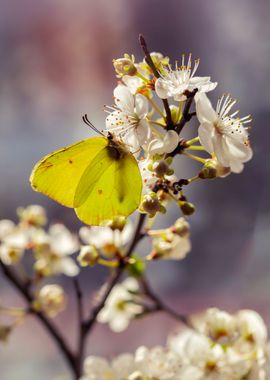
{"x":98,"y":177}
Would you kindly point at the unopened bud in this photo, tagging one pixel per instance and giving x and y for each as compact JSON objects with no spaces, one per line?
{"x":51,"y":299}
{"x":117,"y":223}
{"x":151,"y":204}
{"x":125,"y":66}
{"x":88,"y":256}
{"x":187,"y":208}
{"x":5,"y":332}
{"x":212,"y":169}
{"x":161,"y":168}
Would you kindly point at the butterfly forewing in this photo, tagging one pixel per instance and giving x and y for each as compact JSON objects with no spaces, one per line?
{"x":58,"y":174}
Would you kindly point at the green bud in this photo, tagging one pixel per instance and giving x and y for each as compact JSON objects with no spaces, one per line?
{"x":136,"y":267}
{"x":187,"y":208}
{"x":88,"y":256}
{"x":125,"y":66}
{"x":117,"y":223}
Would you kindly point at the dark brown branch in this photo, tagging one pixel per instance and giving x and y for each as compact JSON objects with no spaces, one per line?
{"x":23,"y":288}
{"x":88,"y":325}
{"x":80,"y":316}
{"x":159,"y":305}
{"x":149,"y":61}
{"x":186,"y":116}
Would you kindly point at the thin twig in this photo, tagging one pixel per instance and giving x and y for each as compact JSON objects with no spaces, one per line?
{"x":186,"y":116}
{"x":151,"y":64}
{"x":80,"y":316}
{"x":23,"y":288}
{"x":88,"y":325}
{"x":159,"y":305}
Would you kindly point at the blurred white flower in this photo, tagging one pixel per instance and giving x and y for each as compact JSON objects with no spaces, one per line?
{"x":157,"y":363}
{"x":13,"y":243}
{"x":174,"y":83}
{"x":88,"y":255}
{"x":107,"y":240}
{"x":219,"y":325}
{"x":6,"y":228}
{"x":53,"y":249}
{"x":128,"y":119}
{"x":98,"y":368}
{"x":33,"y":215}
{"x":51,"y":300}
{"x":119,"y":309}
{"x":171,"y":243}
{"x":223,"y":134}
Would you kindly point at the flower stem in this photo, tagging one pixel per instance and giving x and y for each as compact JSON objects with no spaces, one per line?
{"x":195,"y":147}
{"x":196,"y":158}
{"x":192,"y":141}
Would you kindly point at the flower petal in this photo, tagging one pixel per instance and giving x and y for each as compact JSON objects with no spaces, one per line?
{"x":124,"y":99}
{"x":205,"y":111}
{"x":205,"y":133}
{"x":162,"y":88}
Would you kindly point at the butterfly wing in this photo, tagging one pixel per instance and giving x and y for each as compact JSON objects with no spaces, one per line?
{"x":108,"y":187}
{"x":58,"y":174}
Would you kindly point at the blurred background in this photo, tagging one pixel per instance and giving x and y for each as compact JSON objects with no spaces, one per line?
{"x":56,"y":65}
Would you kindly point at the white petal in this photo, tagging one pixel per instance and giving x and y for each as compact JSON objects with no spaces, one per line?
{"x":205,"y":133}
{"x":6,"y":227}
{"x":68,"y":267}
{"x":223,"y":155}
{"x":171,"y":141}
{"x":162,"y":88}
{"x":141,"y":105}
{"x":120,"y":323}
{"x":124,"y":99}
{"x":204,"y":109}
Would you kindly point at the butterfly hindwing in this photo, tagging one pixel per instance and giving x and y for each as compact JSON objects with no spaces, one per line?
{"x":116,"y":191}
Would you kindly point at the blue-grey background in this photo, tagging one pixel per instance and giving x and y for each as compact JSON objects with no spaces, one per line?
{"x":55,"y":65}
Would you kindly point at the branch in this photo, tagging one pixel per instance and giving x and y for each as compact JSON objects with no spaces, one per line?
{"x":151,"y":64}
{"x":23,"y":288}
{"x":81,"y":343}
{"x":186,"y":116}
{"x":159,"y":305}
{"x":88,"y":324}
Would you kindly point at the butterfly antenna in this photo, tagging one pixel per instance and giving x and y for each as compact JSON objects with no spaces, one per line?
{"x":88,"y":122}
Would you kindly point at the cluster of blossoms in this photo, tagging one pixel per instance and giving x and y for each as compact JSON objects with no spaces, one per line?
{"x":152,"y":134}
{"x":221,"y":346}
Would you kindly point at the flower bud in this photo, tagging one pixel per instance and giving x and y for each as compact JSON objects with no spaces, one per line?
{"x":117,"y":223}
{"x":161,"y":168}
{"x":5,"y":331}
{"x":212,"y":169}
{"x":51,"y":300}
{"x":151,"y":204}
{"x":125,"y":66}
{"x":88,"y":256}
{"x":187,"y":207}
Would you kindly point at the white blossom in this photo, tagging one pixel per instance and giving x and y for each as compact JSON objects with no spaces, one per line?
{"x":222,"y":133}
{"x":51,"y":299}
{"x":106,"y":239}
{"x":53,"y":251}
{"x":119,"y":308}
{"x":128,"y":119}
{"x":175,"y":83}
{"x":33,"y":215}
